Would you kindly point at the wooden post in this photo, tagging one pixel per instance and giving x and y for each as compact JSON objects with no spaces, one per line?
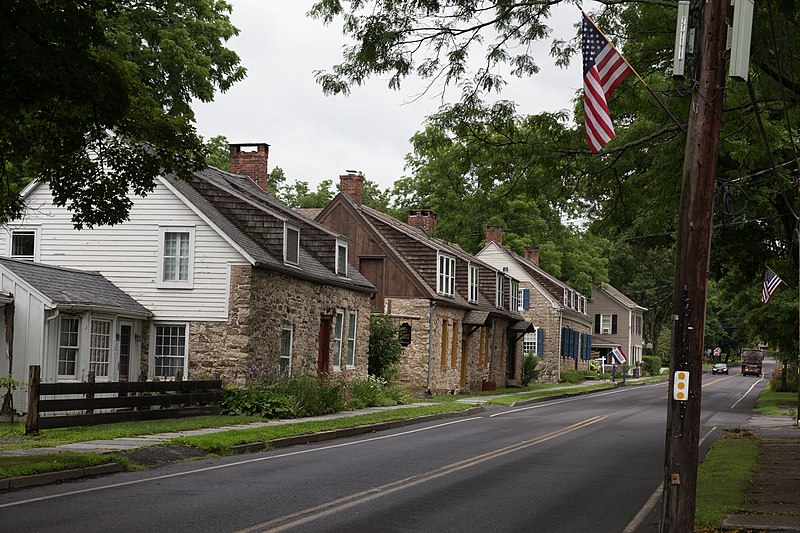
{"x":90,"y":395}
{"x":32,"y":421}
{"x":691,"y":272}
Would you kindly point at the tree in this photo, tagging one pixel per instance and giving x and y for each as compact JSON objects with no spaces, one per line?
{"x":96,"y":97}
{"x":218,"y":153}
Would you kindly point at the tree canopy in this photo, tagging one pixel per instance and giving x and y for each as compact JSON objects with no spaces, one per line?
{"x":96,"y":97}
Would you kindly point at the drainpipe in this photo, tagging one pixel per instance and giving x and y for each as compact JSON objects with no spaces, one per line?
{"x":430,"y":342}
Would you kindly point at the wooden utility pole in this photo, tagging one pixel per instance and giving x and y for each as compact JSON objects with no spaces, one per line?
{"x":691,"y":271}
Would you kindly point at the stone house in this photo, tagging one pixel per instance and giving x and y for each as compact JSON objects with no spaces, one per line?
{"x":562,"y":337}
{"x":618,"y":322}
{"x":231,"y":277}
{"x":457,"y":315}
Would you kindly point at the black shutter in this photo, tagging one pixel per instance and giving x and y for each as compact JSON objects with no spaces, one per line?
{"x":597,"y":323}
{"x":613,"y":324}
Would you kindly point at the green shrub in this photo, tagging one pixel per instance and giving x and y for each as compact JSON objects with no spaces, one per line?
{"x":529,"y":370}
{"x":651,"y":365}
{"x":776,"y":383}
{"x":572,"y":376}
{"x":385,"y":349}
{"x":255,"y":401}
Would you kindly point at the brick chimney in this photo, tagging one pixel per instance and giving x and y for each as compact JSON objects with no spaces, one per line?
{"x":494,"y":234}
{"x":352,"y":183}
{"x":250,"y":160}
{"x":424,"y":219}
{"x":532,"y":254}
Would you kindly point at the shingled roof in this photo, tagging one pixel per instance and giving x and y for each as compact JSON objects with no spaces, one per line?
{"x":69,"y":288}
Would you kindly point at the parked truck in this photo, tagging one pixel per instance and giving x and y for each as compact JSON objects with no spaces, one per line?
{"x":752,"y":358}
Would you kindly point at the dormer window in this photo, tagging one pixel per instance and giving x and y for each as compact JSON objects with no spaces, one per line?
{"x":566,"y":297}
{"x":446,"y":275}
{"x":291,"y":245}
{"x":474,"y":276}
{"x":341,"y":258}
{"x":499,"y":291}
{"x":23,"y":244}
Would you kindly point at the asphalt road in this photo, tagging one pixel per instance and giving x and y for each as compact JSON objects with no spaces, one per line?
{"x":588,"y":463}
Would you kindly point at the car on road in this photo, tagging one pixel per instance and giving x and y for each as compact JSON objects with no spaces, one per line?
{"x":719,"y":368}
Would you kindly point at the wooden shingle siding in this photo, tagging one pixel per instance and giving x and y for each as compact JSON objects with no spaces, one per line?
{"x":127,"y":254}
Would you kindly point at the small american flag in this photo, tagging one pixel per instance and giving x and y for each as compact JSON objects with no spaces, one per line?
{"x":771,"y":282}
{"x":603,"y":70}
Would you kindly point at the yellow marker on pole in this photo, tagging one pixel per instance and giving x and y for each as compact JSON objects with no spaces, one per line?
{"x":681,"y":387}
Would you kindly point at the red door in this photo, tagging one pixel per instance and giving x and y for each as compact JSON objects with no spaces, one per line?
{"x":324,"y":351}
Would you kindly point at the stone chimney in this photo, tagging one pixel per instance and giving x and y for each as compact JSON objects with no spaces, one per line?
{"x":352,"y":183}
{"x":250,"y":160}
{"x":424,"y":219}
{"x":532,"y":254}
{"x":494,"y":234}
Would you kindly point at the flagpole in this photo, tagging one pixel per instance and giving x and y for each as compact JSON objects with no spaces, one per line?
{"x":652,"y":93}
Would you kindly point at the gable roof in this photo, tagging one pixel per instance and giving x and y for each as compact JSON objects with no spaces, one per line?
{"x":253,"y":222}
{"x":415,"y":250}
{"x":623,"y":300}
{"x":69,"y":288}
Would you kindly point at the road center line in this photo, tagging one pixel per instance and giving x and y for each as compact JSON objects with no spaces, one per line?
{"x":316,"y":512}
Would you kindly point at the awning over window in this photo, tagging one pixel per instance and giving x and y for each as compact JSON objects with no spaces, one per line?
{"x":476,"y":318}
{"x":522,"y":326}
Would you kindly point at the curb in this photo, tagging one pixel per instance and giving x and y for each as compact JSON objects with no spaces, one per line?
{"x":60,"y":475}
{"x":349,"y":432}
{"x":542,"y":399}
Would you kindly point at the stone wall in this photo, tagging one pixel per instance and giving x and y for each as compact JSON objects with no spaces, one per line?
{"x":543,"y":315}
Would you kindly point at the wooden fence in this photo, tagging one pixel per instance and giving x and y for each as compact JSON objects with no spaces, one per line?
{"x":134,"y":400}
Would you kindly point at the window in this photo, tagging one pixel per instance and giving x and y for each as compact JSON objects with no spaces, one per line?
{"x":446,"y":275}
{"x":498,"y":297}
{"x":566,"y":296}
{"x":169,"y":349}
{"x":637,"y":325}
{"x":474,"y":277}
{"x":100,"y":348}
{"x":286,"y":350}
{"x":68,"y":346}
{"x":605,"y":324}
{"x":515,"y":296}
{"x":291,"y":245}
{"x":351,"y":340}
{"x":337,"y":338}
{"x":23,"y":245}
{"x":176,"y":250}
{"x":341,"y":258}
{"x":529,"y":344}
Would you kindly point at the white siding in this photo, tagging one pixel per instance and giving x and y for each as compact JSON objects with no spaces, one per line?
{"x":127,"y":254}
{"x":491,"y":255}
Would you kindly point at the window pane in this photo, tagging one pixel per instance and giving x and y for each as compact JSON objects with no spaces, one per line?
{"x":292,"y":244}
{"x":286,"y":351}
{"x":176,"y":256}
{"x":337,"y":339}
{"x":100,"y":347}
{"x":351,"y":340}
{"x":170,"y":349}
{"x":23,"y":244}
{"x":68,"y":346}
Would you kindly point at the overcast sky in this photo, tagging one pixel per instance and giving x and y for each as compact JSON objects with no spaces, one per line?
{"x":315,"y":137}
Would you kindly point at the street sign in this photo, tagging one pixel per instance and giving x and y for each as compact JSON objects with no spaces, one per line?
{"x":680,"y":390}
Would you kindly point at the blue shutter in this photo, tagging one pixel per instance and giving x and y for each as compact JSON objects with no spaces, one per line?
{"x":583,"y":347}
{"x":563,"y":342}
{"x":575,"y":344}
{"x":588,"y":346}
{"x":540,"y":342}
{"x":526,"y":299}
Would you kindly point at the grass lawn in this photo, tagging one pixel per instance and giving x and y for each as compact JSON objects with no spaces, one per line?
{"x":776,"y":403}
{"x":723,"y":477}
{"x":511,"y":399}
{"x":12,"y":436}
{"x":37,"y":464}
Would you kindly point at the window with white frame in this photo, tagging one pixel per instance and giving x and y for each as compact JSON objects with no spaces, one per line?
{"x":446,"y":275}
{"x":499,"y":291}
{"x":606,"y":323}
{"x":291,"y":244}
{"x":100,"y":348}
{"x":176,"y":257}
{"x":352,"y":321}
{"x":341,"y":258}
{"x":169,"y":349}
{"x":24,"y":244}
{"x":516,"y":298}
{"x":566,"y":296}
{"x":287,"y":333}
{"x":68,"y":339}
{"x":474,"y":279}
{"x":583,"y":305}
{"x":529,"y":344}
{"x":338,"y":328}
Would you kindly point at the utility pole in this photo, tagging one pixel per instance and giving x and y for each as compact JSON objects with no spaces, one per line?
{"x":691,"y":273}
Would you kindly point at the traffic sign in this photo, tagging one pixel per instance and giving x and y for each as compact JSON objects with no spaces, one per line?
{"x":717,"y":350}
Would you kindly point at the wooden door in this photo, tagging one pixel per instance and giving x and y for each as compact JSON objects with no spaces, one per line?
{"x":324,"y":350}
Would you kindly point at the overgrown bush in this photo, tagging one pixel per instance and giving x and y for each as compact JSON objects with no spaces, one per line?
{"x":572,"y":376}
{"x":776,"y":383}
{"x":529,"y":369}
{"x":651,"y":365}
{"x":256,"y":401}
{"x":385,"y":349}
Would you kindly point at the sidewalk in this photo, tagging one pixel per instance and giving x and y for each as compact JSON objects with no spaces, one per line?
{"x":772,"y":502}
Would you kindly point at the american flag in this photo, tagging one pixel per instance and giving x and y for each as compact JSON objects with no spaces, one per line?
{"x":771,"y":282}
{"x":618,"y":356}
{"x":603,"y":70}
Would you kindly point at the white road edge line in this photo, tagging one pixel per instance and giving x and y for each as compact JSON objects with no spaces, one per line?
{"x":228,"y":465}
{"x":746,"y":393}
{"x":653,"y":499}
